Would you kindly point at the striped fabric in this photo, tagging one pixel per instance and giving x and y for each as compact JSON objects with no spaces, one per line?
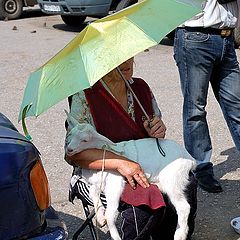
{"x":80,"y":189}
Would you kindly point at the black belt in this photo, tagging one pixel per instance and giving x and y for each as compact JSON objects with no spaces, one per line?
{"x":226,"y":32}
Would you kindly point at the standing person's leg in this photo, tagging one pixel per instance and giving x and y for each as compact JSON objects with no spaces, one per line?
{"x":226,"y":87}
{"x":195,"y":56}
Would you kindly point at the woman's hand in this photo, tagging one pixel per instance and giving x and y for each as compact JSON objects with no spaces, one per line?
{"x":92,"y":159}
{"x":155,"y":128}
{"x":133,"y":173}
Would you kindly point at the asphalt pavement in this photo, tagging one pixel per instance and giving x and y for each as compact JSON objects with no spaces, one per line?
{"x":29,"y":42}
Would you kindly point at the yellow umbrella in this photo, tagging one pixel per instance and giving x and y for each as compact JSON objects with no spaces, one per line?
{"x":101,"y":47}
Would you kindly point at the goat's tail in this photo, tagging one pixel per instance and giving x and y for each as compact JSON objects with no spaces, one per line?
{"x":175,"y":176}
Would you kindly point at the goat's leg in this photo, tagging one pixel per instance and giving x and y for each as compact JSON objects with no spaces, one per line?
{"x":113,"y":191}
{"x":94,"y":193}
{"x":173,"y":180}
{"x":183,"y":210}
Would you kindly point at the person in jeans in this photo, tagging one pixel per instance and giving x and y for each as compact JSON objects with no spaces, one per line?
{"x":204,"y":53}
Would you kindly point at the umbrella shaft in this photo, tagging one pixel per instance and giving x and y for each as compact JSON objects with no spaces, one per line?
{"x":134,"y":95}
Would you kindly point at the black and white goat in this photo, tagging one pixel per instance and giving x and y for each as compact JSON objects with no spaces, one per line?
{"x":169,"y":173}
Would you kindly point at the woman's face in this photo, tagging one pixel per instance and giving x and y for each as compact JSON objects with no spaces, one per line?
{"x":127,"y":68}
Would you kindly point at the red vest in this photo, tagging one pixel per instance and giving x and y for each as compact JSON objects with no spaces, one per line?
{"x":109,"y":117}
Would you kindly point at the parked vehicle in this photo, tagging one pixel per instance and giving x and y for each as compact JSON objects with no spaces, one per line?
{"x":24,"y":194}
{"x":74,"y":12}
{"x":13,"y":9}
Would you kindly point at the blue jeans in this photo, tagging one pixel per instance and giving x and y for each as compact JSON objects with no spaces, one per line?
{"x":202,"y":59}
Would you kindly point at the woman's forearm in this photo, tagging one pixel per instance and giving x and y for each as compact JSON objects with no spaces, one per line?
{"x":93,"y":159}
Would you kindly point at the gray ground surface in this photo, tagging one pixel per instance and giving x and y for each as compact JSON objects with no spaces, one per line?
{"x":36,"y":39}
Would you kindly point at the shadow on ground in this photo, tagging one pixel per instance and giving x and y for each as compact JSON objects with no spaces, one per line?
{"x":215,"y":211}
{"x":32,"y":13}
{"x":64,"y":27}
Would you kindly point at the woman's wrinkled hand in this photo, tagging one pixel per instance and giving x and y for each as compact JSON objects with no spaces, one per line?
{"x":133,"y":173}
{"x":155,"y":127}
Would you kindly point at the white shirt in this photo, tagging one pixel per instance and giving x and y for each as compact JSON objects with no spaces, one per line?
{"x":216,"y":15}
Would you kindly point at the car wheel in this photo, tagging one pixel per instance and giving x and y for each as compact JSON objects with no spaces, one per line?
{"x":125,"y":3}
{"x":237,"y":36}
{"x":73,"y":21}
{"x":10,"y":9}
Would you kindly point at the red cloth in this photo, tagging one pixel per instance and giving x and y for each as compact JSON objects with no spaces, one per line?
{"x":150,"y":196}
{"x":109,"y":117}
{"x":112,"y":121}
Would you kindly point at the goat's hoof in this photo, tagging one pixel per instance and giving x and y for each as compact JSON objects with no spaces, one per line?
{"x":180,"y":235}
{"x":116,"y":237}
{"x":101,"y":223}
{"x":100,"y":215}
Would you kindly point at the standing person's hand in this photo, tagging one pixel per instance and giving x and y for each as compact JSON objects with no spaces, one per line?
{"x":155,"y":128}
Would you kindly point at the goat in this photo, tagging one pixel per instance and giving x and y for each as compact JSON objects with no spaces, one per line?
{"x":169,"y":173}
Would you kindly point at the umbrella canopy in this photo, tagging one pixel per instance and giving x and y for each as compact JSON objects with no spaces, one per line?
{"x":101,"y":47}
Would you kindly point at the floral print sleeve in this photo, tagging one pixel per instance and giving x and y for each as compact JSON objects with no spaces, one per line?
{"x":156,"y":109}
{"x":80,"y":109}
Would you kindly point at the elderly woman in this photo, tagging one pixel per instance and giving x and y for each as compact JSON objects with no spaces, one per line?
{"x":111,"y":108}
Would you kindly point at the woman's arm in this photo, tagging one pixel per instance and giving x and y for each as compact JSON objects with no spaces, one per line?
{"x":93,"y":159}
{"x":156,"y":127}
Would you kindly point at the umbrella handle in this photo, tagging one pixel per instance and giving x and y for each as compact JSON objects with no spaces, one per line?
{"x":24,"y":112}
{"x":134,"y":95}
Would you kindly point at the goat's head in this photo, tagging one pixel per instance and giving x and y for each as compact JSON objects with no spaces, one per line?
{"x":78,"y":139}
{"x":83,"y":136}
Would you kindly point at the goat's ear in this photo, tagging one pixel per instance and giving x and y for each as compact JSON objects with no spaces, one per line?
{"x":86,"y":127}
{"x":72,"y":122}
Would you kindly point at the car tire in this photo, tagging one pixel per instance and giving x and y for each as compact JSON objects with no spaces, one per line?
{"x":125,"y":3}
{"x":73,"y":21}
{"x":237,"y":36}
{"x":11,"y":9}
